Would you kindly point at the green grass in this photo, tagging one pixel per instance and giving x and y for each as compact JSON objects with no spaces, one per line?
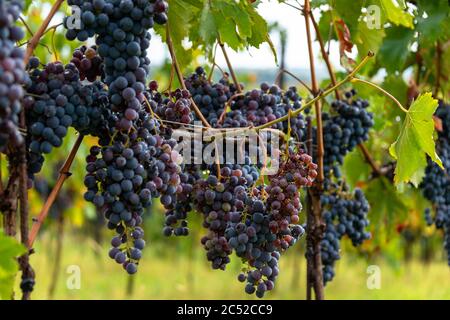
{"x":165,"y":274}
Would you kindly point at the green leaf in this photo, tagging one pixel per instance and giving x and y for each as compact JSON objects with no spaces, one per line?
{"x":325,"y":23}
{"x":10,"y":249}
{"x":396,"y":14}
{"x":386,"y":204}
{"x":395,"y":48}
{"x":355,"y":168}
{"x":433,"y":21}
{"x":368,"y":39}
{"x":182,"y":14}
{"x":415,"y":141}
{"x":349,"y":12}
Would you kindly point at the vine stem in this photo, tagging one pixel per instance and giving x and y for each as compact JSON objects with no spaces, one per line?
{"x":315,"y":233}
{"x":320,"y":95}
{"x":24,"y":262}
{"x":326,"y":58}
{"x":325,"y":55}
{"x":387,"y":94}
{"x":64,"y":173}
{"x":281,"y":71}
{"x":438,"y":69}
{"x":180,"y":76}
{"x":230,"y":68}
{"x":34,"y":41}
{"x":375,"y":169}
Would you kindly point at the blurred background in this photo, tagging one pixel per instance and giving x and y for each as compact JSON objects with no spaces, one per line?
{"x":409,"y":254}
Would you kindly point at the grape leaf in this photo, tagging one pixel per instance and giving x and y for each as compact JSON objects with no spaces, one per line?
{"x":415,"y":141}
{"x":395,"y":48}
{"x":10,"y":249}
{"x":182,"y":12}
{"x":396,"y":14}
{"x":386,"y":205}
{"x":368,"y":39}
{"x":349,"y":11}
{"x":433,"y":21}
{"x":355,"y":168}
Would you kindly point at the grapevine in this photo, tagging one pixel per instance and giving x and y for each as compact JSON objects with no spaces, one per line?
{"x":260,"y":168}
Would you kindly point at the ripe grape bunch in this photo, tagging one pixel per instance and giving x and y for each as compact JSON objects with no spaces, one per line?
{"x":436,"y":183}
{"x":258,"y":107}
{"x":211,"y":98}
{"x":88,"y":63}
{"x":267,"y":228}
{"x":58,"y":100}
{"x":13,"y":75}
{"x":345,"y":214}
{"x":344,"y":129}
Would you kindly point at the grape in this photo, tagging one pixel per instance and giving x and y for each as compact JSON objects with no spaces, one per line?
{"x":210,"y":98}
{"x":344,"y":214}
{"x":436,"y":185}
{"x":13,"y":76}
{"x":259,"y":235}
{"x":344,"y":131}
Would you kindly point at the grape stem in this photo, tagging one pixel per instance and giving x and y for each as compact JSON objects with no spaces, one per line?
{"x":230,"y":68}
{"x":321,"y":94}
{"x":375,"y":169}
{"x":34,"y":41}
{"x":214,"y":65}
{"x":281,"y":71}
{"x":180,"y":76}
{"x":64,"y":173}
{"x":387,"y":94}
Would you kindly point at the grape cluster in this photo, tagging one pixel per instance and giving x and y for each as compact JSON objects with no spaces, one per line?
{"x":58,"y":100}
{"x":216,"y":199}
{"x":267,"y":228}
{"x":211,"y":98}
{"x":88,"y":62}
{"x":344,"y":130}
{"x":344,"y":214}
{"x":176,"y":218}
{"x":99,"y":15}
{"x":12,"y":74}
{"x":258,"y":107}
{"x":115,"y":182}
{"x":122,"y":38}
{"x":51,"y":107}
{"x":175,"y":109}
{"x":436,"y":183}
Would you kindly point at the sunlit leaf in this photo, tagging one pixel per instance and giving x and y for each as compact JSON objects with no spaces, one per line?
{"x":415,"y":141}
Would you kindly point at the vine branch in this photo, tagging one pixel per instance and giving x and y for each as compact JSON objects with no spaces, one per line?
{"x":180,"y":76}
{"x":314,"y":236}
{"x":34,"y":41}
{"x":281,"y":71}
{"x":325,"y":55}
{"x":375,"y":169}
{"x":64,"y":173}
{"x":438,"y":69}
{"x":230,"y":68}
{"x":321,"y":94}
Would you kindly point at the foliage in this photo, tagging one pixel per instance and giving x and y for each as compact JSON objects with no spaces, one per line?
{"x":10,"y":249}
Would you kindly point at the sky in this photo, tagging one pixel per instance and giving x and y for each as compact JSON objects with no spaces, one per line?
{"x":297,"y":50}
